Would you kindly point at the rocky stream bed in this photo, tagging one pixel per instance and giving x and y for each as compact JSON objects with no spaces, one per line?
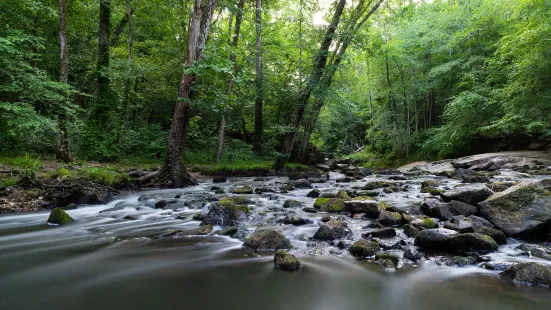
{"x":464,"y":234}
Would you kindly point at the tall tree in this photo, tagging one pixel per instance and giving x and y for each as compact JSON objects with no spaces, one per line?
{"x":233,"y":59}
{"x":174,"y":173}
{"x":63,"y":152}
{"x":317,"y":71}
{"x":258,"y":81}
{"x":103,"y":48}
{"x":357,"y":19}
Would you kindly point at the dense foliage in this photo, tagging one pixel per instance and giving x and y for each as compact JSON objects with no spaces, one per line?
{"x":419,"y":78}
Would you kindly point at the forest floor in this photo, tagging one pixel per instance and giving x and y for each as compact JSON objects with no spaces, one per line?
{"x":29,"y":184}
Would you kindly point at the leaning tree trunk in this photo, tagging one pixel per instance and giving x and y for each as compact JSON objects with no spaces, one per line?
{"x":233,"y":44}
{"x":258,"y":82}
{"x":174,"y":173}
{"x":317,"y":71}
{"x":63,"y":153}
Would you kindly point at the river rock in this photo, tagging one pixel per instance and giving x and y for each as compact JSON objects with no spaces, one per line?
{"x":528,"y":274}
{"x":263,"y":190}
{"x":496,"y":234}
{"x":334,"y":229}
{"x":434,"y":239}
{"x":161,"y":204}
{"x":244,"y":190}
{"x":472,"y":242}
{"x":315,"y":193}
{"x":364,"y":248}
{"x":475,"y":179}
{"x":224,"y":215}
{"x":219,"y":179}
{"x":410,"y":231}
{"x":376,"y":184}
{"x":286,"y":261}
{"x":59,"y":217}
{"x":301,"y":184}
{"x":455,"y":261}
{"x":434,"y":208}
{"x":267,"y":240}
{"x":290,"y":203}
{"x":413,"y":254}
{"x":334,"y":205}
{"x":471,"y":194}
{"x":296,"y":221}
{"x":393,"y":257}
{"x":323,"y":167}
{"x":523,"y":210}
{"x":383,"y":233}
{"x":368,"y":206}
{"x":388,"y":218}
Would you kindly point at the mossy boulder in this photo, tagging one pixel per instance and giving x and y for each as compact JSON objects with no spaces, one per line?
{"x":199,"y":231}
{"x":333,"y":205}
{"x":528,"y":274}
{"x":428,"y":185}
{"x":333,"y":229}
{"x":225,"y":214}
{"x":388,"y":218}
{"x":286,"y":261}
{"x":244,"y":190}
{"x":521,"y":211}
{"x":472,"y":243}
{"x":456,"y":261}
{"x":496,"y":234}
{"x":383,"y":233}
{"x":410,"y":231}
{"x":267,"y":240}
{"x":376,"y":185}
{"x":393,"y":257}
{"x":364,"y":248}
{"x":59,"y":217}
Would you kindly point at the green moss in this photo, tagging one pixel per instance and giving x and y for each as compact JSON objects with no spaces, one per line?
{"x":286,"y":261}
{"x":436,"y":191}
{"x":239,"y":202}
{"x":342,"y":195}
{"x":8,"y":182}
{"x":59,"y":173}
{"x":103,"y":176}
{"x":364,"y":248}
{"x":384,"y":205}
{"x":245,"y":209}
{"x":360,"y":198}
{"x":329,"y":204}
{"x":376,"y":184}
{"x":245,"y":190}
{"x":397,"y":216}
{"x":60,"y":217}
{"x":394,"y":258}
{"x":429,"y":223}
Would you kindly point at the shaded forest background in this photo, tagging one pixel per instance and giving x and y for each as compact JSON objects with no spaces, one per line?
{"x":418,"y":80}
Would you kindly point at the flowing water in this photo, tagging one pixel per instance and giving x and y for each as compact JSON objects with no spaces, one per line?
{"x":107,"y":260}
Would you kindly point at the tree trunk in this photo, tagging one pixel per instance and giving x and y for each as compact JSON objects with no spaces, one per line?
{"x":174,"y":173}
{"x":354,"y":24}
{"x":128,"y":78}
{"x":317,"y":71}
{"x":233,"y":44}
{"x":103,"y":47}
{"x":63,"y":153}
{"x":258,"y":82}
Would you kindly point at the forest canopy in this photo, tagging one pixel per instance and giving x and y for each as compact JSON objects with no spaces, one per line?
{"x":271,"y":80}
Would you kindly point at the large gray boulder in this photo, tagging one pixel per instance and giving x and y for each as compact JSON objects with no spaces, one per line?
{"x":434,"y":239}
{"x":368,"y":206}
{"x":471,"y":194}
{"x":528,"y":274}
{"x":225,"y":215}
{"x":334,"y":229}
{"x":472,"y":243}
{"x":521,"y":211}
{"x":435,"y":208}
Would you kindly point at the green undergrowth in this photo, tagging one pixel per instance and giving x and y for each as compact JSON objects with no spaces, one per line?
{"x":244,"y":167}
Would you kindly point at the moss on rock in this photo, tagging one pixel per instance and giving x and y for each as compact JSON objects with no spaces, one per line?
{"x":286,"y":261}
{"x":334,"y":205}
{"x":364,"y":248}
{"x":59,"y":217}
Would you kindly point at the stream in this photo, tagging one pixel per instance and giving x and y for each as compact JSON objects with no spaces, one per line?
{"x":111,"y":258}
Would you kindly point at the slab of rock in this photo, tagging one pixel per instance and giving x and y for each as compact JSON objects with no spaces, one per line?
{"x":523,"y":210}
{"x":471,"y":194}
{"x":434,"y":239}
{"x":267,"y":240}
{"x":383,"y":233}
{"x":370,"y":207}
